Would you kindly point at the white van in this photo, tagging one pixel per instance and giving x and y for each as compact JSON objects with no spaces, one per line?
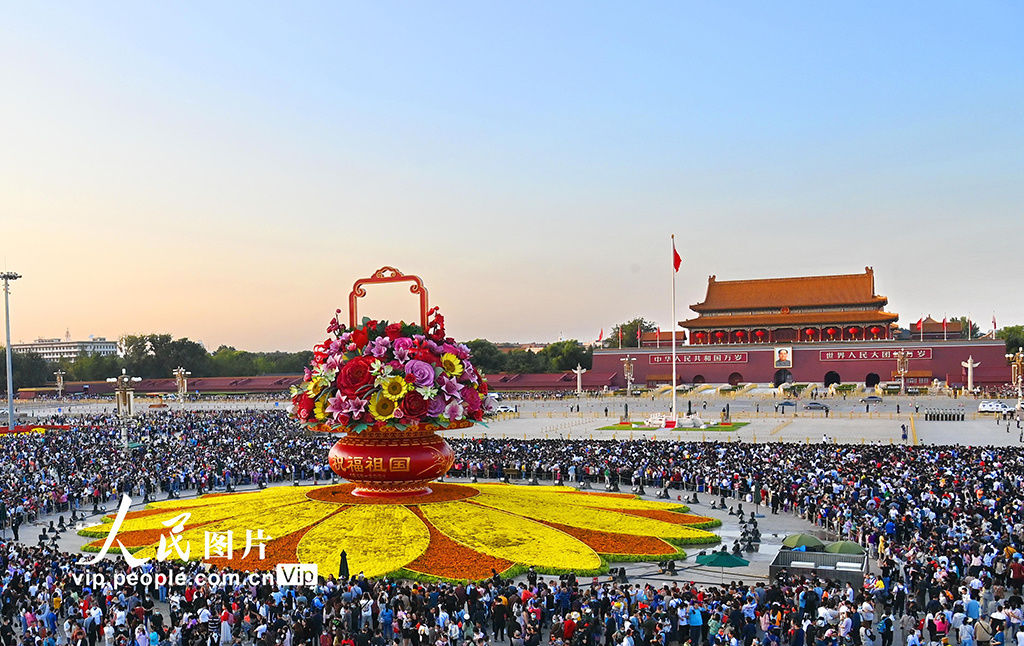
{"x":986,"y":406}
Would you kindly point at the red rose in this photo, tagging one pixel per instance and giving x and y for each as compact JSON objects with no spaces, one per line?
{"x":354,"y":374}
{"x":360,"y":337}
{"x":303,"y":406}
{"x":424,"y":354}
{"x":414,"y":405}
{"x":393,"y":331}
{"x":471,"y":398}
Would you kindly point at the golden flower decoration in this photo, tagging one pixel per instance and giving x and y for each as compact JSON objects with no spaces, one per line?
{"x":456,"y":532}
{"x":382,"y":408}
{"x":451,"y":364}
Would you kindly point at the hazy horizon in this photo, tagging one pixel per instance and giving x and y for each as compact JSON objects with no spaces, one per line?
{"x":225,"y":172}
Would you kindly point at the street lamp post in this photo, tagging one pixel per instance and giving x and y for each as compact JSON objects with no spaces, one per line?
{"x":1017,"y":365}
{"x":124,"y":392}
{"x":7,"y":277}
{"x":181,"y":379}
{"x":902,"y":368}
{"x":59,"y":374}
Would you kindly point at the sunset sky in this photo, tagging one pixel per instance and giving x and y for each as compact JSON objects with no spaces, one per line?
{"x":224,"y":171}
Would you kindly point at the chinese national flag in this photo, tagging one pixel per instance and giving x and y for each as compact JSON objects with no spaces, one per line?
{"x":676,"y":258}
{"x":658,"y":332}
{"x":601,"y":335}
{"x":943,"y":323}
{"x":638,"y":336}
{"x":920,"y":322}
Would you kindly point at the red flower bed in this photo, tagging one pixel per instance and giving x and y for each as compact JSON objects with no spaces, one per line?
{"x":439,"y":492}
{"x":611,"y":543}
{"x":451,"y":560}
{"x":278,"y":550}
{"x":673,"y":517}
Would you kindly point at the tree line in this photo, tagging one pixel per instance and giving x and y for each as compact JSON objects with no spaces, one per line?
{"x":154,"y":356}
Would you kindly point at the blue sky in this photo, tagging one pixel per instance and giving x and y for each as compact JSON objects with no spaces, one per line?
{"x":238,"y":165}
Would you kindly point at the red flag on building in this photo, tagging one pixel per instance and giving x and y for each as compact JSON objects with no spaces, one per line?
{"x":600,"y":336}
{"x":657,"y":333}
{"x":620,"y":337}
{"x":943,"y":323}
{"x":676,"y":258}
{"x":638,"y":335}
{"x":920,"y":321}
{"x":994,"y":322}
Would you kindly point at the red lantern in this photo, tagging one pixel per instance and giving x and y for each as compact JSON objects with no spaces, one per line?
{"x":831,"y":331}
{"x":719,"y":335}
{"x":809,"y":331}
{"x":759,"y":333}
{"x":740,"y":333}
{"x":876,"y":329}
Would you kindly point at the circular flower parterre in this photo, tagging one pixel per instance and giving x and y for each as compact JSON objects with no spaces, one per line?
{"x":456,"y":532}
{"x":391,"y":375}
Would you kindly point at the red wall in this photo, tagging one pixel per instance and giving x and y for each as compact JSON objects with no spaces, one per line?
{"x":809,"y":366}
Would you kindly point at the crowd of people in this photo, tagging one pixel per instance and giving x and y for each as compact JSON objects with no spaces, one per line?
{"x":944,"y":525}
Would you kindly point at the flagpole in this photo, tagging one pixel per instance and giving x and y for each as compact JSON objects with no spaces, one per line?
{"x":674,"y":324}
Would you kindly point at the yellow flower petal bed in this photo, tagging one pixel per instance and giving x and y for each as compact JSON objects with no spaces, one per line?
{"x":280,"y":521}
{"x":517,"y":500}
{"x":205,"y":509}
{"x":509,"y":536}
{"x":569,"y":495}
{"x":378,"y":539}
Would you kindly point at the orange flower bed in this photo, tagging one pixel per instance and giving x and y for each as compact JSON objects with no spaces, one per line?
{"x":673,"y":517}
{"x":610,"y":543}
{"x":448,"y":559}
{"x":439,"y":492}
{"x":142,"y":513}
{"x":139,"y":537}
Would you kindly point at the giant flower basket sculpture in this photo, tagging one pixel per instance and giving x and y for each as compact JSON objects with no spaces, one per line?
{"x":389,"y":387}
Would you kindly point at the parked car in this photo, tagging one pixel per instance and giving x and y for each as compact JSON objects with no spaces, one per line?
{"x":871,"y":399}
{"x":815,"y":406}
{"x":504,"y":409}
{"x":986,"y":406}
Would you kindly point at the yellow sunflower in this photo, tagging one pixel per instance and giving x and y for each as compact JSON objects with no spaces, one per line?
{"x":451,"y":364}
{"x":382,"y":408}
{"x":318,"y":410}
{"x":394,"y":388}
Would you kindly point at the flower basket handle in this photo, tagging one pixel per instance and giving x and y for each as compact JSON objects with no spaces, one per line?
{"x":387,"y":275}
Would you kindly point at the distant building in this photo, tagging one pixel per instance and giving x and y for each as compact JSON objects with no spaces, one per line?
{"x":810,"y":329}
{"x":791,"y":310}
{"x":527,"y":347}
{"x":659,"y":339}
{"x":57,"y":349}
